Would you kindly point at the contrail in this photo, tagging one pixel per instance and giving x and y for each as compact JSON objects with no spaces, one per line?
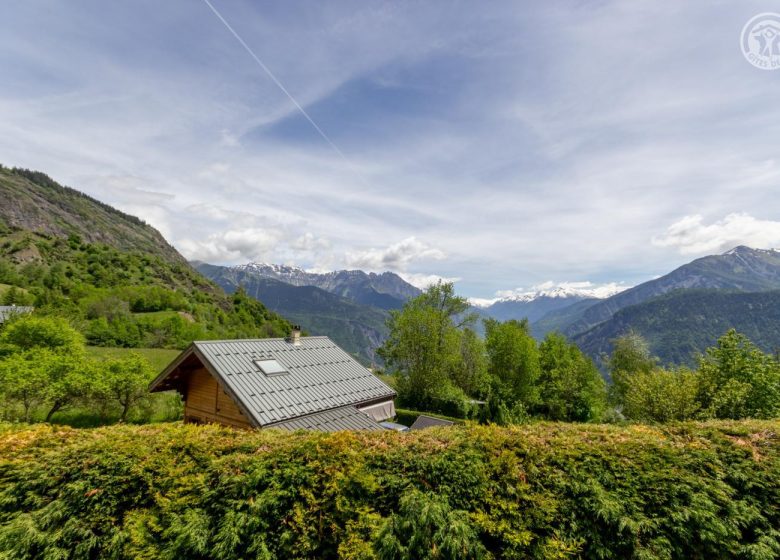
{"x":277,"y":82}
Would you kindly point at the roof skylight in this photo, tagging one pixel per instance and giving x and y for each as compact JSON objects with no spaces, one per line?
{"x":271,"y":367}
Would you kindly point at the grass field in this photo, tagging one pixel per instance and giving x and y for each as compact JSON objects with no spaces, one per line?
{"x":158,"y":357}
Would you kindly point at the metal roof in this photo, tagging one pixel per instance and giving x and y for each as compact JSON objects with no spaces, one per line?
{"x":424,"y":421}
{"x":334,"y":420}
{"x":321,"y":376}
{"x":6,"y":311}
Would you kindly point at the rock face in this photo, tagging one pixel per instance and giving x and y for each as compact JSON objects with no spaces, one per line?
{"x":34,"y":202}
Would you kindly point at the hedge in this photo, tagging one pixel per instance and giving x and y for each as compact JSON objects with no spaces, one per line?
{"x":708,"y":490}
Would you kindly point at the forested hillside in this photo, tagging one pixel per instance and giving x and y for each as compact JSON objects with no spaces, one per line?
{"x":683,"y":324}
{"x":546,"y":491}
{"x":111,"y":275}
{"x":741,"y":269}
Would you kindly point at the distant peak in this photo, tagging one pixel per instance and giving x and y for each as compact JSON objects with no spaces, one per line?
{"x":745,"y":250}
{"x":268,"y":267}
{"x":551,"y":290}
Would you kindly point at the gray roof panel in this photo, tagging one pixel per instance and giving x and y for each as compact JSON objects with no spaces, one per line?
{"x":333,"y":420}
{"x":321,"y":376}
{"x":424,"y":421}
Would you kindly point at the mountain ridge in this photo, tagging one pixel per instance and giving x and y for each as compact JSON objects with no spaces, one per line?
{"x":681,"y":324}
{"x":357,"y":327}
{"x":741,"y":268}
{"x":384,"y":290}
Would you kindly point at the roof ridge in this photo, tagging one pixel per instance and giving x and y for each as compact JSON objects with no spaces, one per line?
{"x":227,"y":341}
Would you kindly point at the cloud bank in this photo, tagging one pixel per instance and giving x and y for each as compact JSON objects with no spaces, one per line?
{"x":691,"y":236}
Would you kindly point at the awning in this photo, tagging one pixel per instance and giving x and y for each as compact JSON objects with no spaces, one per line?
{"x":380,"y":411}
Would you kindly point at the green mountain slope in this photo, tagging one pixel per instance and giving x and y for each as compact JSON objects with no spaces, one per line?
{"x":559,"y":319}
{"x":742,"y":268}
{"x":684,"y":323}
{"x":112,"y":275}
{"x":34,"y":202}
{"x":359,"y":329}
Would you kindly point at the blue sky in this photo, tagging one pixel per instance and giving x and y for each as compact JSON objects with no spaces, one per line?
{"x":502,"y":144}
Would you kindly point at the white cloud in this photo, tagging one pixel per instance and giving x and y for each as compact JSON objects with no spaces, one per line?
{"x":233,"y":245}
{"x":564,"y":176}
{"x":396,"y":257}
{"x":482,"y":302}
{"x":422,"y":281}
{"x":309,"y":242}
{"x":691,"y":236}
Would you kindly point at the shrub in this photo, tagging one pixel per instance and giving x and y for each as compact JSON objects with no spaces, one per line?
{"x":544,"y":491}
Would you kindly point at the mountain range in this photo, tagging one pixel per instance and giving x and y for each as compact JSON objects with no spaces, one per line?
{"x":685,"y":311}
{"x":124,"y":284}
{"x":536,"y":304}
{"x":721,"y":290}
{"x":742,"y":269}
{"x":350,"y":306}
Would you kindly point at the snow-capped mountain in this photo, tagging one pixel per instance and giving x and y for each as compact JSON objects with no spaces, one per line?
{"x":566,"y":290}
{"x":540,"y":300}
{"x":385,"y":291}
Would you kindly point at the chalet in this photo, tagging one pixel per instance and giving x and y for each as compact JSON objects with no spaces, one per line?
{"x":288,"y":383}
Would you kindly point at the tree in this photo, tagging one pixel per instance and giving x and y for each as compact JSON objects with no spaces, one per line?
{"x":125,"y":381}
{"x":49,"y":357}
{"x":70,"y":378}
{"x":513,"y":359}
{"x":28,"y":331}
{"x":630,"y":355}
{"x":661,"y":395}
{"x":424,"y":343}
{"x":571,"y":387}
{"x":15,"y":296}
{"x":23,"y":381}
{"x":470,"y":373}
{"x":738,"y":380}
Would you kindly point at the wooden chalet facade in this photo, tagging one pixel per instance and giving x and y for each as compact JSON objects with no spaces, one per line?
{"x":295,"y":383}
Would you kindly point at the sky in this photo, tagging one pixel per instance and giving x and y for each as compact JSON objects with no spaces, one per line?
{"x":503,"y":145}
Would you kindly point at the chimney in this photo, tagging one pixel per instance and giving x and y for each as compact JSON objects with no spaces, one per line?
{"x":295,"y":336}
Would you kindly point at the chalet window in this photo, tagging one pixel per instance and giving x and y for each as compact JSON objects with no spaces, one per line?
{"x":271,"y":367}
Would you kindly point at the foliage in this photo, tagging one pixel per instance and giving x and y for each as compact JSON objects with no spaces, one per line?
{"x":734,"y":380}
{"x":544,"y":491}
{"x":738,"y":380}
{"x":125,"y":380}
{"x":430,"y":352}
{"x":426,"y":528}
{"x":630,"y":355}
{"x":46,"y":370}
{"x":571,"y":388}
{"x":28,"y":333}
{"x":662,"y":395}
{"x":513,"y":358}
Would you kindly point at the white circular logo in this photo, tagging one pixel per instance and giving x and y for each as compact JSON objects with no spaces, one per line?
{"x":760,"y":41}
